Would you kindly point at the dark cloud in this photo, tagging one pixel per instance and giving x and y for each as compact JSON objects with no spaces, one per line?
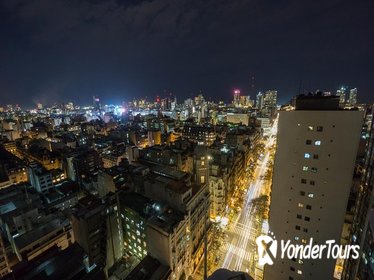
{"x":54,"y":50}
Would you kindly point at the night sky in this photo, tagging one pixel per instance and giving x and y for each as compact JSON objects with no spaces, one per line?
{"x":58,"y":51}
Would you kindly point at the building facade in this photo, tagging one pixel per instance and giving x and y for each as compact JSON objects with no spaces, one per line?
{"x":316,"y":150}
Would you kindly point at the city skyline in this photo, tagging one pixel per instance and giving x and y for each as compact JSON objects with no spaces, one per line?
{"x":186,"y":140}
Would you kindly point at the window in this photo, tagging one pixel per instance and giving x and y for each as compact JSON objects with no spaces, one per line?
{"x":202,"y":179}
{"x":296,"y":238}
{"x":307,"y":219}
{"x":317,"y":143}
{"x":303,"y":241}
{"x":305,"y":229}
{"x":298,"y":216}
{"x":299,"y":272}
{"x":306,"y":155}
{"x":314,"y":169}
{"x":309,"y":207}
{"x":297,"y":227}
{"x":310,"y":128}
{"x":302,"y":193}
{"x":300,"y":262}
{"x":315,"y":156}
{"x":305,"y":168}
{"x":319,"y":128}
{"x":300,"y":205}
{"x":310,"y":195}
{"x":303,"y":181}
{"x":309,"y":142}
{"x":312,"y":183}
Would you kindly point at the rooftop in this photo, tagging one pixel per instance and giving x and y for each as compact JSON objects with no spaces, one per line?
{"x":37,"y":233}
{"x":167,"y":220}
{"x":169,"y":172}
{"x":149,"y":269}
{"x":135,"y":201}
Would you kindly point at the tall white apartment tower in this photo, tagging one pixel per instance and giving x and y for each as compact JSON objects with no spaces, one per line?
{"x":316,"y":150}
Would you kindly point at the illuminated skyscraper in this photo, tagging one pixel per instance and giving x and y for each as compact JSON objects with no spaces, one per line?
{"x":342,"y":95}
{"x":352,"y":97}
{"x":236,"y":100}
{"x":269,"y":105}
{"x":259,"y":101}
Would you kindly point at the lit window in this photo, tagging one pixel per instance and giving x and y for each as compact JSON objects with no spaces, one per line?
{"x":300,"y":205}
{"x":296,"y":238}
{"x":303,"y":241}
{"x":306,"y":155}
{"x":310,"y":195}
{"x":202,"y":179}
{"x":299,"y":272}
{"x":300,"y":261}
{"x":305,"y":168}
{"x":310,"y":128}
{"x":317,"y":143}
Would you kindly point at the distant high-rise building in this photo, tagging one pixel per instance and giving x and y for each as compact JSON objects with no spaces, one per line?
{"x":316,"y":150}
{"x":199,"y":99}
{"x":342,"y":95}
{"x":245,"y":101}
{"x":269,"y":105}
{"x":166,"y":104}
{"x":352,"y":100}
{"x":259,"y":101}
{"x":96,"y":103}
{"x":236,"y":100}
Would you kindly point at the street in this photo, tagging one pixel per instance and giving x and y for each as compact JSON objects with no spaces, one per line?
{"x":239,"y":248}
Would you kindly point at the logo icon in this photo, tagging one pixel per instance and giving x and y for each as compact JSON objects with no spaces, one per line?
{"x":267,"y":249}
